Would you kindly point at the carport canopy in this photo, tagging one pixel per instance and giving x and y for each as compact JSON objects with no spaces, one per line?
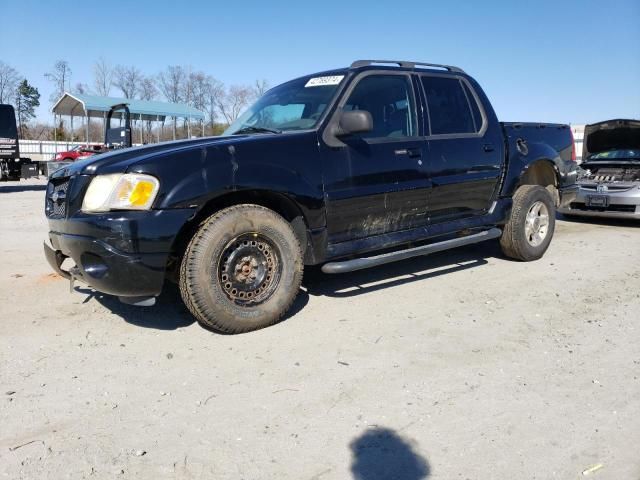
{"x":82,"y":105}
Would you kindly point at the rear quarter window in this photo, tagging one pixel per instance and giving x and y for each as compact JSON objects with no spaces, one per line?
{"x":475,"y":110}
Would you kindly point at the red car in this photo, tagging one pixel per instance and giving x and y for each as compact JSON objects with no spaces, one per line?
{"x":79,"y":152}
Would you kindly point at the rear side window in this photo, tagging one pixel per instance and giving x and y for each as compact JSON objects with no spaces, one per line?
{"x":475,"y":110}
{"x":450,"y":111}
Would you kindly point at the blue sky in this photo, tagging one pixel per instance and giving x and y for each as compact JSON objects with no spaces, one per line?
{"x":555,"y":61}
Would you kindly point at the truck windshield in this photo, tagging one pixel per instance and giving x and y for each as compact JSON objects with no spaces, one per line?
{"x":295,"y":105}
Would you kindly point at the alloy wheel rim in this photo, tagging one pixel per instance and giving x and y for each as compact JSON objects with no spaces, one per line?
{"x":536,"y":225}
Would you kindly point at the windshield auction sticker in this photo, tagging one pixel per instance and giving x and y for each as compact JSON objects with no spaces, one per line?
{"x":322,"y":81}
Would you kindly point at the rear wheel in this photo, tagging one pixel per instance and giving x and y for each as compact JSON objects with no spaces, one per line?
{"x":527,"y":234}
{"x":242,"y":269}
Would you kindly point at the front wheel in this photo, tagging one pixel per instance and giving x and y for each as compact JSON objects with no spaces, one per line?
{"x":242,"y":270}
{"x":528,"y":232}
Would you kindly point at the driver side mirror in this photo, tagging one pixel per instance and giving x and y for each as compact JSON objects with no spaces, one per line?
{"x":354,"y":121}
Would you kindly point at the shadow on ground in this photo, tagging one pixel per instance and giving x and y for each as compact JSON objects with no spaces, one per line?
{"x":169,"y":312}
{"x":399,"y":273}
{"x":611,"y":222}
{"x":382,"y":454}
{"x":13,"y":188}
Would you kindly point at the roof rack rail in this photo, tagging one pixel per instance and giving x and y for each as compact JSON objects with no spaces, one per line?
{"x":405,"y":64}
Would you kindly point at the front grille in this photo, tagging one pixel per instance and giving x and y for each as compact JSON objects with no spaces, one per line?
{"x":56,"y":200}
{"x":610,"y":208}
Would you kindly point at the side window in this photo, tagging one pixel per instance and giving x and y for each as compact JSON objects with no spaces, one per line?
{"x":389,"y":101}
{"x":449,"y":110}
{"x":475,"y":110}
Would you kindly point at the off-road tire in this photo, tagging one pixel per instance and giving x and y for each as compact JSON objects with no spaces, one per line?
{"x":202,"y":289}
{"x":514,"y":240}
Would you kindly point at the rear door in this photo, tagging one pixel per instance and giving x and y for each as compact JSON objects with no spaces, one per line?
{"x":465,"y":149}
{"x":377,"y":183}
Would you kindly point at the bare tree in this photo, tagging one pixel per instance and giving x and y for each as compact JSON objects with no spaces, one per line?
{"x":188,"y":86}
{"x":148,"y":91}
{"x":81,"y":88}
{"x":232,"y":102}
{"x":8,"y":83}
{"x":127,"y":80}
{"x":102,"y":77}
{"x":170,"y":83}
{"x":260,"y":87}
{"x":215,"y":90}
{"x":198,"y":81}
{"x":61,"y":78}
{"x":147,"y":88}
{"x":200,"y":92}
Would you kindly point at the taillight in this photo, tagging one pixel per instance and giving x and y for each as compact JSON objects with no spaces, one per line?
{"x":574,"y":157}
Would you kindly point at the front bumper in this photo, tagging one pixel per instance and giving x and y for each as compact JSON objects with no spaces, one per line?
{"x":118,"y":253}
{"x":623,"y":201}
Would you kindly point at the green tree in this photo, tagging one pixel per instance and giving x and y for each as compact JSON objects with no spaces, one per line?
{"x":27,"y":99}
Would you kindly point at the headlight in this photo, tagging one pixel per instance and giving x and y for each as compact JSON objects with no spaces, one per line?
{"x":129,"y":191}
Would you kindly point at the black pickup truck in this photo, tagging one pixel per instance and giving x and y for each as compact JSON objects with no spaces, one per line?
{"x":348,"y":169}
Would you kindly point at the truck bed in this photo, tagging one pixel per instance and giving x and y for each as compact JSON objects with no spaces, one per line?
{"x":556,"y":135}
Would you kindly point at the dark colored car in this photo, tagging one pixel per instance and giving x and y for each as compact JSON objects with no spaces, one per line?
{"x":78,"y":152}
{"x":347,"y":169}
{"x":609,"y":180}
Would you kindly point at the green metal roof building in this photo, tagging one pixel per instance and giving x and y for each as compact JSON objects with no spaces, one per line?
{"x":93,"y":106}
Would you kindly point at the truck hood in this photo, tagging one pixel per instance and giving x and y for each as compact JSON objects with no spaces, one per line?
{"x":119,"y":161}
{"x":611,"y":135}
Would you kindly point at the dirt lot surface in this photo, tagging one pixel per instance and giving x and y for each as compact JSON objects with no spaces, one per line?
{"x":463,"y":365}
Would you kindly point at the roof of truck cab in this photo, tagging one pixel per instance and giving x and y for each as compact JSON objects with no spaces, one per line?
{"x":391,"y":68}
{"x":404,"y":65}
{"x":377,"y":67}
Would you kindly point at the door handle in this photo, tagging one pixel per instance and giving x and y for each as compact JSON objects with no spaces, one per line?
{"x":488,"y":147}
{"x":410,"y":152}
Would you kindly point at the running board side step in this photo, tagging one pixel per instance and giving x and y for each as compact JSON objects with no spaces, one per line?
{"x":368,"y":262}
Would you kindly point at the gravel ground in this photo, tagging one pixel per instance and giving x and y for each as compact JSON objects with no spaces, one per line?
{"x":460,"y":365}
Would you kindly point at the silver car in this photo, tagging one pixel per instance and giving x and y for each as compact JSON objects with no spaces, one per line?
{"x":608,"y":183}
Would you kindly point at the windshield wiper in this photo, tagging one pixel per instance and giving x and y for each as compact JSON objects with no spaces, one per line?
{"x":253,"y":129}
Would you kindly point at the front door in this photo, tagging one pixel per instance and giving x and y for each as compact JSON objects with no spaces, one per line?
{"x":377,"y":182}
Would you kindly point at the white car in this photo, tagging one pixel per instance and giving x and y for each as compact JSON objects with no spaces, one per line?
{"x":608,"y":184}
